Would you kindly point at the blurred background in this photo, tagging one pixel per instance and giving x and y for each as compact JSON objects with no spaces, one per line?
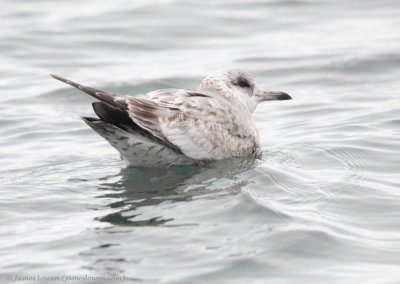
{"x":321,"y":205}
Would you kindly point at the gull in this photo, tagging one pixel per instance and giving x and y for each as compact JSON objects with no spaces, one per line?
{"x":180,"y":127}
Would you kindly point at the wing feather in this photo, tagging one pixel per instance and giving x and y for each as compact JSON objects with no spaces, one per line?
{"x":114,"y":106}
{"x":203,"y":126}
{"x":113,"y":99}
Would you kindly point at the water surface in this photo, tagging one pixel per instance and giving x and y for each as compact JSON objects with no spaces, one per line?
{"x":320,"y":206}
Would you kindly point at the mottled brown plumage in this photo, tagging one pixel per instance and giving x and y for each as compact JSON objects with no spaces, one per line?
{"x":211,"y":123}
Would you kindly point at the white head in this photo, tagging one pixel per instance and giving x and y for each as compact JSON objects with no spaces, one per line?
{"x":239,"y":85}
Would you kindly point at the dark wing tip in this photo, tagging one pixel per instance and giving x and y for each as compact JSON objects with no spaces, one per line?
{"x":111,"y":114}
{"x":98,"y":94}
{"x":91,"y":91}
{"x":69,"y":82}
{"x":58,"y":77}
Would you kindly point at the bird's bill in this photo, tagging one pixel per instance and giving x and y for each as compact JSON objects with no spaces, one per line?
{"x":271,"y":96}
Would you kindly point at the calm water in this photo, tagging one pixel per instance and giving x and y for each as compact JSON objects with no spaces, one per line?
{"x":320,"y":206}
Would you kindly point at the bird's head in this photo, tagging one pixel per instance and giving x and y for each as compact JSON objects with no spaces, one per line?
{"x":238,"y":84}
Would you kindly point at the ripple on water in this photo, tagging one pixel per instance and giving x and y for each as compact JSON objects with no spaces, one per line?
{"x":320,"y":205}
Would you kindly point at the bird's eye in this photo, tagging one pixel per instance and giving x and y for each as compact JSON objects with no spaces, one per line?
{"x":243,"y":83}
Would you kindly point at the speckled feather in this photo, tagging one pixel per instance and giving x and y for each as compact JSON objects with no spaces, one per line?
{"x":175,"y":126}
{"x":205,"y":127}
{"x":135,"y":149}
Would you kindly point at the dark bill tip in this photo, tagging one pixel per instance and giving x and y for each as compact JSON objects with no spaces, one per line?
{"x":283,"y":96}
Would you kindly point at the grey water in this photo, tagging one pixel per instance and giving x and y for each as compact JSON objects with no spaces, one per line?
{"x":322,"y":203}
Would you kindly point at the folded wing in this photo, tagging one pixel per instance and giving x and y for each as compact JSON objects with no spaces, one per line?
{"x":203,"y":126}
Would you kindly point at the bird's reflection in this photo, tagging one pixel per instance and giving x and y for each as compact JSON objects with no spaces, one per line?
{"x":140,"y":187}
